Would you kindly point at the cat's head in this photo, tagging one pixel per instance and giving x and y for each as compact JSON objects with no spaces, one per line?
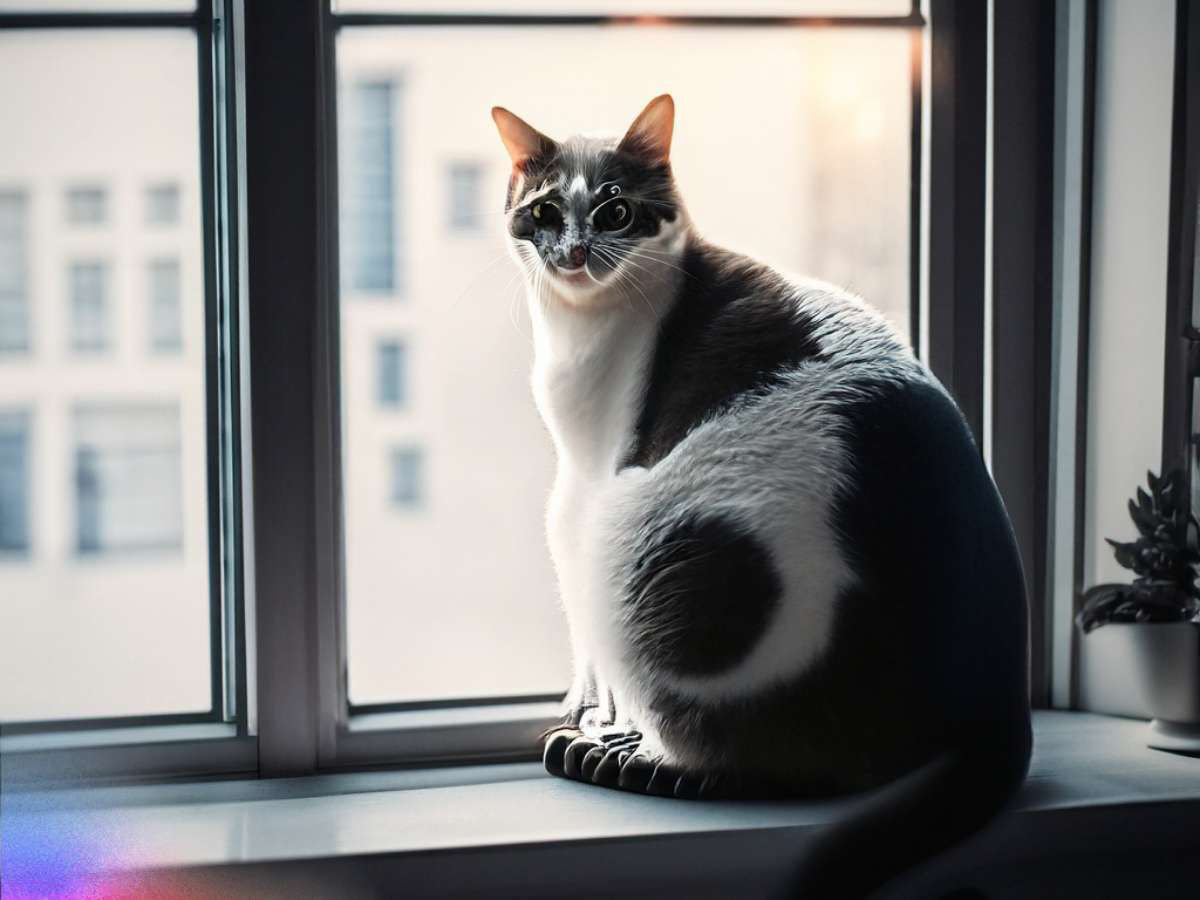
{"x":591,"y":212}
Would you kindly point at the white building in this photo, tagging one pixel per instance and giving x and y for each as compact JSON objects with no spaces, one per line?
{"x":790,"y":144}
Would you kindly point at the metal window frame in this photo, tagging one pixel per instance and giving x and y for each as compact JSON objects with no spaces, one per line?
{"x":1022,"y":255}
{"x":287,"y":287}
{"x":1075,"y":84}
{"x":312,"y":725}
{"x":1182,"y":357}
{"x":219,"y":739}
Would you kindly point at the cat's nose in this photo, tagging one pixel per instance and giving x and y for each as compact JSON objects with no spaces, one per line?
{"x":577,"y":255}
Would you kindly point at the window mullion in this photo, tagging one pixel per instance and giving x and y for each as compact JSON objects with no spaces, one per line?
{"x":288,"y":283}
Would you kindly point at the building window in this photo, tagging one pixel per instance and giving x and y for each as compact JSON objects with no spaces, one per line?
{"x":408,"y":477}
{"x":128,"y":491}
{"x":392,"y":373}
{"x":89,"y":306}
{"x":465,"y":188}
{"x":87,"y":205}
{"x":14,"y":482}
{"x":14,"y":272}
{"x":368,"y":213}
{"x":162,"y":204}
{"x":166,"y":327}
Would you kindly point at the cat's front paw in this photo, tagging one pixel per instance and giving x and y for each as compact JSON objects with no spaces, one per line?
{"x":617,"y":760}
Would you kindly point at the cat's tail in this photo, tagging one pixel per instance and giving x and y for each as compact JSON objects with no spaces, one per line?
{"x":915,"y":817}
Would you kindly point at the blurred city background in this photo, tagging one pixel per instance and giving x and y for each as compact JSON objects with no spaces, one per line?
{"x":790,"y":144}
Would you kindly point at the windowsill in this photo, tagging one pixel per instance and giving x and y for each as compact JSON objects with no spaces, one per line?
{"x":110,"y":737}
{"x":1091,"y":777}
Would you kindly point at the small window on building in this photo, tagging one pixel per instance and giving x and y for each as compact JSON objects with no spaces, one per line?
{"x":88,"y":286}
{"x":407,"y":477}
{"x":128,"y":491}
{"x":162,"y":204}
{"x":369,"y":263}
{"x":392,"y":373}
{"x":87,"y":205}
{"x":166,"y":326}
{"x":14,"y":272}
{"x":14,"y":482}
{"x":465,"y":187}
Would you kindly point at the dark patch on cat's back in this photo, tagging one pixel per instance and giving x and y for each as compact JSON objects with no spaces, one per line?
{"x":701,"y":595}
{"x":733,"y":331}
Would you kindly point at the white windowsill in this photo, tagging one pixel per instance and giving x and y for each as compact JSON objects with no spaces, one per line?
{"x":1082,"y":764}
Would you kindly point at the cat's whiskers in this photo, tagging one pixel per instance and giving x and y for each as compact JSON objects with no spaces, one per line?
{"x":622,"y":276}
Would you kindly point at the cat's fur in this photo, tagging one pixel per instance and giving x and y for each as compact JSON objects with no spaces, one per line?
{"x":785,"y":568}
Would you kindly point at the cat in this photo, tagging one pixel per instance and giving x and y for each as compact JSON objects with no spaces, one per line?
{"x":785,"y":568}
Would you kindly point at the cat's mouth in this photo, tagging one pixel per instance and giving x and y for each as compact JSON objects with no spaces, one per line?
{"x":577,"y":277}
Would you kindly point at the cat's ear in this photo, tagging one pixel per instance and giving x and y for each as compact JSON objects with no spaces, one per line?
{"x":521,"y":140}
{"x":650,"y":134}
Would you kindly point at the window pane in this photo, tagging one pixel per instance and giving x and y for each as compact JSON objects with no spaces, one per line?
{"x":457,"y":597}
{"x":88,"y":283}
{"x":14,"y":482}
{"x":636,"y":7}
{"x":393,"y":383}
{"x":87,"y":205}
{"x":368,"y":186}
{"x":127,"y":488}
{"x":91,"y":6}
{"x":162,"y":204}
{"x":106,"y":610}
{"x":408,"y":477}
{"x":166,"y":325}
{"x":14,"y":272}
{"x":463,"y":202}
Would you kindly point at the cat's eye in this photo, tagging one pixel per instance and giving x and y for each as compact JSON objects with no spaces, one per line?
{"x":614,"y":215}
{"x":546,"y":213}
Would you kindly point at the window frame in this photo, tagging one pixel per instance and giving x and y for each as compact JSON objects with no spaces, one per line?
{"x":947,"y":311}
{"x":1182,"y":357}
{"x":269,"y":150}
{"x":219,"y":740}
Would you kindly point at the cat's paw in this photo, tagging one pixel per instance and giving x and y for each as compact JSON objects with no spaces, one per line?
{"x":617,"y":760}
{"x":660,"y":778}
{"x":555,"y":746}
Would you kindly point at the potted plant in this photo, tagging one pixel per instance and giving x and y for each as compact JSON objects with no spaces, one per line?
{"x":1142,"y":640}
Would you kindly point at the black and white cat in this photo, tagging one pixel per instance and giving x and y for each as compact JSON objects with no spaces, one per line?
{"x":785,"y":567}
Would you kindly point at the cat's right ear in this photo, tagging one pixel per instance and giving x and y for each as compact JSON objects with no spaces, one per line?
{"x":521,"y":140}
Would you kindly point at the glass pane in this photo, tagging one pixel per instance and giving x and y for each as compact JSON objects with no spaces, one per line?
{"x":96,"y":6}
{"x":103,"y":500}
{"x":455,"y":597}
{"x":14,"y":271}
{"x":635,"y":7}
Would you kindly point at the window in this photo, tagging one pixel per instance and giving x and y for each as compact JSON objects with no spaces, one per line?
{"x":449,"y":604}
{"x":838,"y":153}
{"x":393,"y":374}
{"x":370,"y":188}
{"x":114,"y":479}
{"x":128,"y":494}
{"x":166,"y":323}
{"x":89,"y":306}
{"x":15,"y":479}
{"x":162,"y":204}
{"x":465,"y":190}
{"x":14,"y":272}
{"x":407,"y":477}
{"x":87,"y":205}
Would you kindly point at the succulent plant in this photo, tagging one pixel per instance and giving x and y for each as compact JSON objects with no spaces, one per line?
{"x":1164,"y":558}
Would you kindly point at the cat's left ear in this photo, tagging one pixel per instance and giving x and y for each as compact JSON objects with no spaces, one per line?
{"x":650,"y":134}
